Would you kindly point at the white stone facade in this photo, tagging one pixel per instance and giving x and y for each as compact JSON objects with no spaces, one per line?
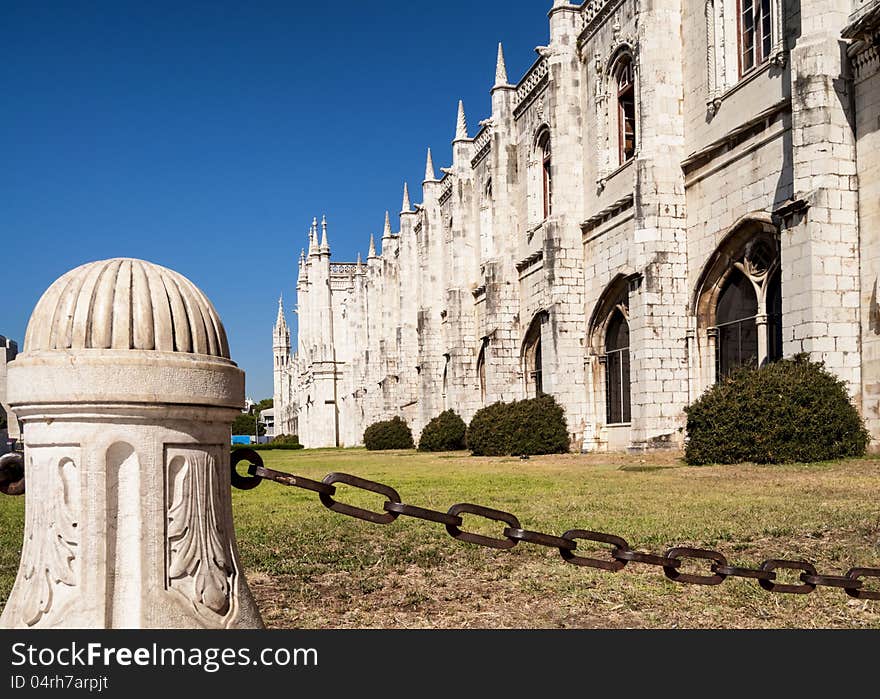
{"x":672,"y":189}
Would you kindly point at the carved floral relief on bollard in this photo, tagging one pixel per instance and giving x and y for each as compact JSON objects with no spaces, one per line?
{"x":127,"y":393}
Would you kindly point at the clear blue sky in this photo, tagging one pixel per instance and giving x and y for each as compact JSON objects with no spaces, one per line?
{"x":204,"y":136}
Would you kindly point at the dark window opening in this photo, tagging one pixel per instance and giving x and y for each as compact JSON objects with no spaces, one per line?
{"x":774,"y":319}
{"x":547,"y":174}
{"x":537,"y":371}
{"x":481,"y":374}
{"x":737,"y":341}
{"x":617,"y":371}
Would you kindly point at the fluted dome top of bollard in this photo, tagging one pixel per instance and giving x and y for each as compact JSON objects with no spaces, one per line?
{"x":126,"y":304}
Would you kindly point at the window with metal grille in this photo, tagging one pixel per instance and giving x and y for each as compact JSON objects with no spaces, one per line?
{"x":618,"y":402}
{"x":738,"y":343}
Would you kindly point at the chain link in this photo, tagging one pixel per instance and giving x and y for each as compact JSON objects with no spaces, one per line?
{"x":619,"y":556}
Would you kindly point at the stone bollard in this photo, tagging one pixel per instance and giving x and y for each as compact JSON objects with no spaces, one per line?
{"x":126,"y":392}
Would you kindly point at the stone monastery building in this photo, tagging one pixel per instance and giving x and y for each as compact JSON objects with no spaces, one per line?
{"x":674,"y":188}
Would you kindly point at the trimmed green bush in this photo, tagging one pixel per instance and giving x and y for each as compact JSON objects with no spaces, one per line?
{"x":446,"y":432}
{"x":534,"y":426}
{"x":285,"y":439}
{"x":789,"y":411}
{"x":390,"y":434}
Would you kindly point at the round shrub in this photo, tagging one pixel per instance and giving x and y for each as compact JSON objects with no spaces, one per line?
{"x":285,"y":439}
{"x":534,"y":426}
{"x":390,"y":434}
{"x":446,"y":432}
{"x":789,"y":411}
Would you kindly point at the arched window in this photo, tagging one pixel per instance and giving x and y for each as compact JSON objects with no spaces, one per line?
{"x":532,"y":358}
{"x":624,"y":81}
{"x":740,"y":299}
{"x":617,"y":375}
{"x":546,"y":153}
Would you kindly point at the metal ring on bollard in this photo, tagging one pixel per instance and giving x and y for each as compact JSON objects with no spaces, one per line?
{"x":12,"y":474}
{"x":241,"y":482}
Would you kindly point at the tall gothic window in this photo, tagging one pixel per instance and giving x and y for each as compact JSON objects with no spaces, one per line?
{"x":481,"y":372}
{"x":626,"y":109}
{"x":737,"y":329}
{"x":538,"y":371}
{"x":544,"y":147}
{"x":748,"y":315}
{"x":755,"y":33}
{"x":618,"y":402}
{"x":532,"y":358}
{"x":774,"y":319}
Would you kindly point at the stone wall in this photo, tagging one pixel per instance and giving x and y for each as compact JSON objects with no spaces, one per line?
{"x":447,"y":313}
{"x":865,"y":36}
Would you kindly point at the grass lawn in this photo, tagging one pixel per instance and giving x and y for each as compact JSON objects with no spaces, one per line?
{"x":311,"y":568}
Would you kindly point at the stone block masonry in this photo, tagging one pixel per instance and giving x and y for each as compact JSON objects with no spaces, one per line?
{"x":673,"y":189}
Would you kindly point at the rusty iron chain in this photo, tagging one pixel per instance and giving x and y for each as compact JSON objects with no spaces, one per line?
{"x":718,"y":569}
{"x":12,"y":482}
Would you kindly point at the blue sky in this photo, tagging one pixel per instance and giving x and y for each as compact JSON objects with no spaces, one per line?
{"x":204,"y":136}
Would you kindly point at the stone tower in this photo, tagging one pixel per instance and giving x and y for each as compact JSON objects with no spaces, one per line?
{"x":281,"y":352}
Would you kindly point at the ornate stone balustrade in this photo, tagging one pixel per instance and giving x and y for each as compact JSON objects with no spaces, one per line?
{"x":482,"y":144}
{"x":531,"y":82}
{"x":343,"y":269}
{"x":446,"y":193}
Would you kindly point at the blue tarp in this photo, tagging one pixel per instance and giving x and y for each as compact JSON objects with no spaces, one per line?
{"x":241,"y":439}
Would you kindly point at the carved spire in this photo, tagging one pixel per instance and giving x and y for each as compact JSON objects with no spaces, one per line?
{"x":280,"y":322}
{"x":313,"y":244}
{"x":302,"y":263}
{"x":407,"y":206}
{"x":386,"y":233}
{"x":461,"y":129}
{"x":360,"y":263}
{"x":500,"y":68}
{"x":325,"y":246}
{"x":372,"y":252}
{"x":429,"y":169}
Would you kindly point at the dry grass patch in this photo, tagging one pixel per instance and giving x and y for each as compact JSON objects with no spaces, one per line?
{"x":311,"y":568}
{"x":324,"y":570}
